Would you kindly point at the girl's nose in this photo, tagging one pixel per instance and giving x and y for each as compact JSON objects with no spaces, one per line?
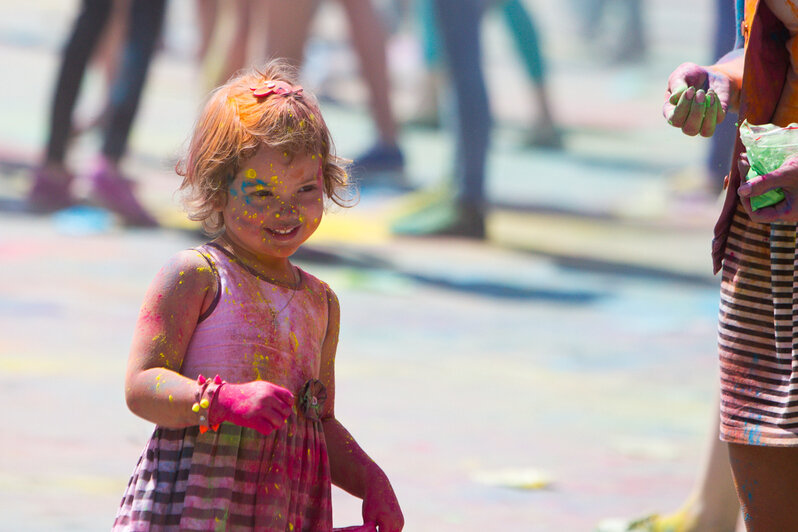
{"x":288,"y":207}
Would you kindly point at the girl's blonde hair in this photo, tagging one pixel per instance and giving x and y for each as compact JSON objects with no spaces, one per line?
{"x":232,"y":127}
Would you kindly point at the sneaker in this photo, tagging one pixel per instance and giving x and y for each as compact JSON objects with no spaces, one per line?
{"x":442,"y":219}
{"x":114,"y":192}
{"x":544,"y":135}
{"x":380,"y":162}
{"x":51,"y":190}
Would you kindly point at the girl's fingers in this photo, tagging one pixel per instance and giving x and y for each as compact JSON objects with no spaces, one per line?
{"x":695,"y":118}
{"x":283,"y":394}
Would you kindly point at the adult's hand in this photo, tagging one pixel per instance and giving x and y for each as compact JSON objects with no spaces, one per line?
{"x":785,"y":177}
{"x":697,"y":99}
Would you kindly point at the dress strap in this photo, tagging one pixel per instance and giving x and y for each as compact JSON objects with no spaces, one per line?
{"x":205,"y":255}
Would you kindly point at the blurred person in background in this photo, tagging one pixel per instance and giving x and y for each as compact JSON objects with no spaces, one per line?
{"x":630,"y":43}
{"x":519,"y":22}
{"x":756,"y":250}
{"x":286,"y":34}
{"x":287,"y":28}
{"x":459,"y":210}
{"x":52,"y":184}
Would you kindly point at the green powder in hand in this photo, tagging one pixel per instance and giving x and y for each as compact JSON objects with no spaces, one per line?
{"x":768,"y":146}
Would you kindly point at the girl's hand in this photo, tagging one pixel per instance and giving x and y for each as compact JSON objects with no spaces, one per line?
{"x":785,"y":177}
{"x":259,"y":405}
{"x":697,"y":99}
{"x":380,"y":506}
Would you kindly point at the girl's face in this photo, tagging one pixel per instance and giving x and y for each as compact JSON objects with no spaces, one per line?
{"x":274,"y":203}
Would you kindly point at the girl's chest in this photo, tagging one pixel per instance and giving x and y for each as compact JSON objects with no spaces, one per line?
{"x":278,"y":339}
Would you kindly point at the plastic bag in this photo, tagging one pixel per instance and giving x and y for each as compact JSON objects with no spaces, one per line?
{"x":768,"y":146}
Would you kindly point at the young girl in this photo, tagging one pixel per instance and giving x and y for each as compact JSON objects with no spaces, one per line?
{"x":234,"y":350}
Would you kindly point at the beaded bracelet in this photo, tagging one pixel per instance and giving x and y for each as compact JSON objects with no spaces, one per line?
{"x":205,"y":394}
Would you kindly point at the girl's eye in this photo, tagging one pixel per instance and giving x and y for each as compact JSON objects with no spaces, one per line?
{"x":308,"y":188}
{"x":262,"y":193}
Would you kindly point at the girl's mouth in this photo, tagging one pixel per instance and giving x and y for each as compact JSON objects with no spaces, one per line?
{"x":283,"y":233}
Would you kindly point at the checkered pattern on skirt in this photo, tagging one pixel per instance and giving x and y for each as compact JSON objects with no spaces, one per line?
{"x":234,"y":479}
{"x":758,"y":334}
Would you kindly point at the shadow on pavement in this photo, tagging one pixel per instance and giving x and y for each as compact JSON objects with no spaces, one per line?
{"x":478,"y":286}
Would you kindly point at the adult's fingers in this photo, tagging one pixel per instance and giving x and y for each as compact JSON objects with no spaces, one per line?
{"x":671,"y":99}
{"x":695,"y":118}
{"x":681,"y":110}
{"x":720,"y":111}
{"x":781,"y":211}
{"x":758,"y":185}
{"x":711,"y":117}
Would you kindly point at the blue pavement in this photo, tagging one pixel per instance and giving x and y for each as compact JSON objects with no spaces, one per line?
{"x":572,"y":355}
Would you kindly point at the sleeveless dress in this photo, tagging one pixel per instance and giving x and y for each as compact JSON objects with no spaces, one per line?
{"x":758,"y":328}
{"x":236,"y":478}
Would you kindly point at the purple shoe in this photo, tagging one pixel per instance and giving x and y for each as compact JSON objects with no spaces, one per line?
{"x":51,"y":190}
{"x":114,"y":192}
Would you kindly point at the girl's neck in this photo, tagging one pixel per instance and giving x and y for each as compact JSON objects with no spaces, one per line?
{"x":277,"y":269}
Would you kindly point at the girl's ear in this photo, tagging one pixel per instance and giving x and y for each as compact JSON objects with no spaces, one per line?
{"x":219,"y":201}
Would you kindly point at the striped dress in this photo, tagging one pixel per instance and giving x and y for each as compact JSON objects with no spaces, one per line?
{"x":758,"y":331}
{"x":237,"y":479}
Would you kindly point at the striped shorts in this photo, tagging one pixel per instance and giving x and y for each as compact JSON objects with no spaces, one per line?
{"x":757,"y":334}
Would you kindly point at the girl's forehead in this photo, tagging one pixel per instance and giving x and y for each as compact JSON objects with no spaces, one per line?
{"x":280,"y":160}
{"x":275,"y":167}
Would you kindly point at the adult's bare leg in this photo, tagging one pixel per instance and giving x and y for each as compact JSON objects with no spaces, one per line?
{"x":765,"y":478}
{"x":369,"y":40}
{"x":287,"y":26}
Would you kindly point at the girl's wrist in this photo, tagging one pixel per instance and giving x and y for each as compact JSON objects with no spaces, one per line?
{"x":206,"y":404}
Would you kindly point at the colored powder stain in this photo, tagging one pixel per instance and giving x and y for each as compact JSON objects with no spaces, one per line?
{"x":294,"y":340}
{"x":251,"y":173}
{"x":157,"y":383}
{"x":277,"y":215}
{"x":171,"y":399}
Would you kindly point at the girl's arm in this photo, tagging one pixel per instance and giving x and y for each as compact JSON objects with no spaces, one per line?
{"x":350,"y":467}
{"x":178,"y":295}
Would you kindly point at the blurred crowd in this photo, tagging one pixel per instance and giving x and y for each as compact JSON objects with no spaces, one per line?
{"x":120,"y":37}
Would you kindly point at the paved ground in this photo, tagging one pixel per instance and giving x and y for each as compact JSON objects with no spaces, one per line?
{"x":576,"y":345}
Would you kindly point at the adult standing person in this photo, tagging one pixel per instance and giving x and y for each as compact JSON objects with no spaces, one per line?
{"x":52,"y":186}
{"x":757,"y":252}
{"x":463,"y":214}
{"x":287,"y":27}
